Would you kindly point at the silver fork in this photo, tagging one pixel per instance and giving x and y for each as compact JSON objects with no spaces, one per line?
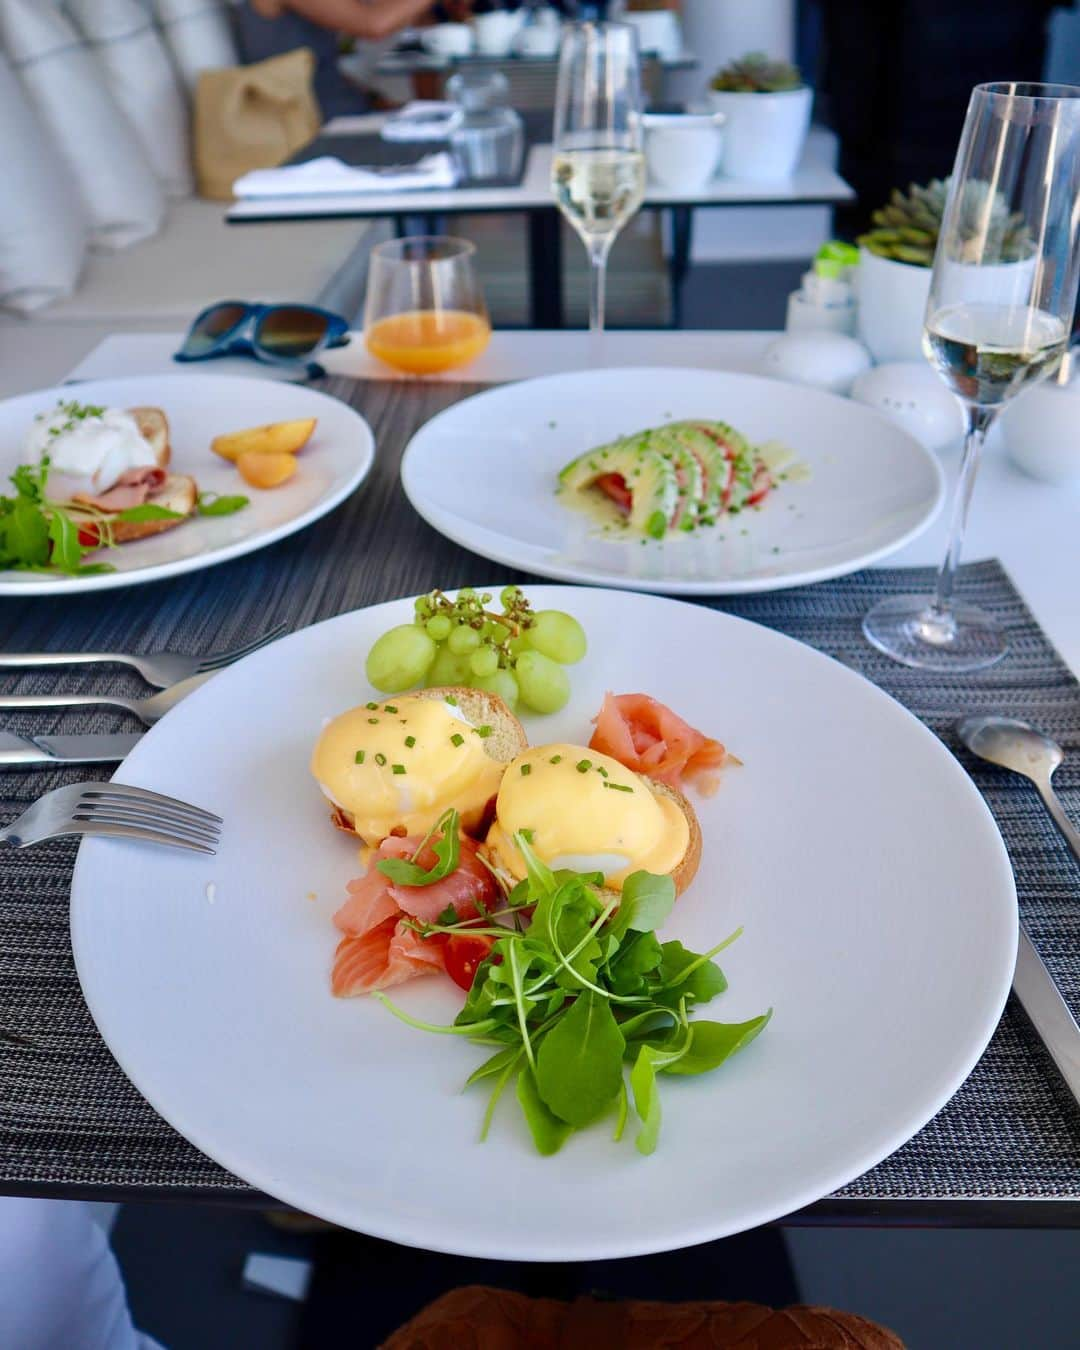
{"x":116,"y":810}
{"x":148,"y":710}
{"x":161,"y":669}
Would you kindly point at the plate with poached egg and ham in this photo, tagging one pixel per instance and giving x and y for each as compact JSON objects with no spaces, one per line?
{"x":464,"y":975}
{"x":125,"y":484}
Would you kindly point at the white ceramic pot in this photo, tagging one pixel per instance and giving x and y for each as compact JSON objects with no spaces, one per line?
{"x":494,"y":32}
{"x":658,"y":31}
{"x":915,"y":397}
{"x":764,"y":134}
{"x":682,"y":149}
{"x":1041,"y":429}
{"x":892,"y":306}
{"x":447,"y":39}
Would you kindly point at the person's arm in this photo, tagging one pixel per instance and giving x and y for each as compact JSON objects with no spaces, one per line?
{"x":372,"y":19}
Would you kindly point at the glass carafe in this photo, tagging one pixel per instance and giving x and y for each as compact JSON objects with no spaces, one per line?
{"x":487,"y":139}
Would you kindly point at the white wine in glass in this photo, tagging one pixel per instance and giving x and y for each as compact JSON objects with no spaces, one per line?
{"x":598,"y":171}
{"x":1002,"y":298}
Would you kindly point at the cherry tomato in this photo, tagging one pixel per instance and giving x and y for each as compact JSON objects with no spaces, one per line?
{"x":464,"y":955}
{"x":614,"y":485}
{"x":89,"y":536}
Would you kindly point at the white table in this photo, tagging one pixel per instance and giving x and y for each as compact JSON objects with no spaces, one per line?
{"x":1032,"y":527}
{"x":814,"y":183}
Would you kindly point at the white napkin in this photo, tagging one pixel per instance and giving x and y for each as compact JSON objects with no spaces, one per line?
{"x":421,"y":120}
{"x":321,"y":177}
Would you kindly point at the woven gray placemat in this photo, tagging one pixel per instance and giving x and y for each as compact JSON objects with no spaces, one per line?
{"x":68,"y":1116}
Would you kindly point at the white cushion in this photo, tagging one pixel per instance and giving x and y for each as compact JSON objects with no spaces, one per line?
{"x":122,"y":196}
{"x":140,"y":75}
{"x":198,"y":35}
{"x":198,"y":258}
{"x":43,"y":227}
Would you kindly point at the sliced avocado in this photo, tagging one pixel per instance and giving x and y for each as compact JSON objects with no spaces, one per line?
{"x":688,"y":472}
{"x":649,"y":476}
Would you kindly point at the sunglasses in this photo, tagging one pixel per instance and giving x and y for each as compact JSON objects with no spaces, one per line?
{"x":282,"y":335}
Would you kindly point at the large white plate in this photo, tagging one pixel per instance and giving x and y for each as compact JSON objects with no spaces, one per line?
{"x":874,"y":888}
{"x":332,"y":465}
{"x":483,"y":474}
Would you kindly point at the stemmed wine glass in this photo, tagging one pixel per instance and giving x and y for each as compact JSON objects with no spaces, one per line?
{"x":1001,"y":304}
{"x":598,"y":171}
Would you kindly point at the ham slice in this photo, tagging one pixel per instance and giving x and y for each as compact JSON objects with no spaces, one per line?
{"x":649,"y":738}
{"x":132,"y":488}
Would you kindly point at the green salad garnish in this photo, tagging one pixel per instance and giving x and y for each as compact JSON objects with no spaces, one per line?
{"x":583,"y":992}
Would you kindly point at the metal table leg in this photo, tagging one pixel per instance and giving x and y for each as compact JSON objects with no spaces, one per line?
{"x":545,"y":270}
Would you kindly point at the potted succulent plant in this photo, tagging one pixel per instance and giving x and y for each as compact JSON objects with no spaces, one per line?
{"x":896,"y":257}
{"x":767,"y":109}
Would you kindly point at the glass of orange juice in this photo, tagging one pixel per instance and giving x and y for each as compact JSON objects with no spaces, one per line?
{"x":425,"y":311}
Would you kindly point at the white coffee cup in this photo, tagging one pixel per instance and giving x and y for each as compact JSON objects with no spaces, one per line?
{"x":682,"y":150}
{"x":495,"y":31}
{"x":658,"y":31}
{"x":447,"y":39}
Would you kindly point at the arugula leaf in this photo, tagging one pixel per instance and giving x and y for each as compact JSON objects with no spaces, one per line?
{"x":542,"y":880}
{"x":26,"y":534}
{"x":700,"y":985}
{"x":447,"y":850}
{"x":643,"y":1085}
{"x":212,"y":504}
{"x":67,"y":552}
{"x":711,"y":1043}
{"x":148,"y":511}
{"x":639,"y":955}
{"x":548,"y":1131}
{"x":579,"y":1064}
{"x":494,"y":1065}
{"x":646,"y":902}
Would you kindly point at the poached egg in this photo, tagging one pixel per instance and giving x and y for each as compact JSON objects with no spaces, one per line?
{"x":587,"y":812}
{"x":399,"y":764}
{"x":89,"y":448}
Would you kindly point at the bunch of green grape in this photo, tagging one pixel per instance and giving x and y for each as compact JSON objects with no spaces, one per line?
{"x":518,"y":654}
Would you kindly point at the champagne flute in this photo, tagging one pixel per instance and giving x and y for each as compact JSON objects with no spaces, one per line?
{"x":1001,"y":304}
{"x":598,"y":172}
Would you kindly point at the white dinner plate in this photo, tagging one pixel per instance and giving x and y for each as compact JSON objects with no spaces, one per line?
{"x":483,"y":473}
{"x":333,"y":464}
{"x":875,"y":891}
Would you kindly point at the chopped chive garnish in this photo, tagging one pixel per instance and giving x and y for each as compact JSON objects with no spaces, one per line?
{"x":618,"y":787}
{"x":601,"y":771}
{"x":373,"y":721}
{"x":359,"y":756}
{"x":371,"y":706}
{"x":389,"y":707}
{"x":457,"y":739}
{"x":451,"y":700}
{"x":397,"y":768}
{"x":410,"y":741}
{"x":483,"y":732}
{"x":380,"y":758}
{"x":556,"y":759}
{"x":527,"y":835}
{"x":526,"y":769}
{"x":583,"y":765}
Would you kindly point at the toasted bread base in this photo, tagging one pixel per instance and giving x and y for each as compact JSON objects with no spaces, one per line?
{"x":506,"y":742}
{"x":179,"y":494}
{"x":154,"y":427}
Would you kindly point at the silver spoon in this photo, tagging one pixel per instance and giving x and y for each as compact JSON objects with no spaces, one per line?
{"x":1015,"y":745}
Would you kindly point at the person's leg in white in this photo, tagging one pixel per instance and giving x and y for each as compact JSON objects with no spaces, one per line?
{"x":60,"y":1286}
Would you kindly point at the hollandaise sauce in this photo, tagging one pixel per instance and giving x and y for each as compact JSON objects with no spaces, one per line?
{"x":585,"y":811}
{"x":398,"y":765}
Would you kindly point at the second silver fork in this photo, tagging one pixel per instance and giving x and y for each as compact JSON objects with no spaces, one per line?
{"x":161,"y":669}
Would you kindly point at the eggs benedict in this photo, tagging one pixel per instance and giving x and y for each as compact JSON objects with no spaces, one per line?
{"x":585,"y":811}
{"x":111,"y":460}
{"x":396,"y":765}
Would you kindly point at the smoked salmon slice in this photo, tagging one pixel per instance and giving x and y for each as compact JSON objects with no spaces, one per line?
{"x":646,"y":736}
{"x":378,"y":949}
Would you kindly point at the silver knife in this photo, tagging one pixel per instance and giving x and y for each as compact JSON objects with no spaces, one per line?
{"x":1040,"y":999}
{"x":91,"y":748}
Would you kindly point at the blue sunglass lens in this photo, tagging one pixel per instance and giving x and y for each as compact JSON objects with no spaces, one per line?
{"x":209,"y":328}
{"x":292,"y":330}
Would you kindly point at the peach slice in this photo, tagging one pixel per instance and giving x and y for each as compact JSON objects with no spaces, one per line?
{"x":263,"y":469}
{"x":275,"y":438}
